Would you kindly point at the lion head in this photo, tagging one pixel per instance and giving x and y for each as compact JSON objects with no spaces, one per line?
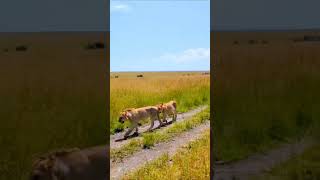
{"x":49,"y":167}
{"x":125,"y":115}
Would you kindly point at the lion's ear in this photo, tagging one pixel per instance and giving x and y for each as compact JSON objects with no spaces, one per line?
{"x":36,"y":162}
{"x":128,"y":115}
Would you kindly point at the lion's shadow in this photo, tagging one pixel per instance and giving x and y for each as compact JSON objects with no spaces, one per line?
{"x":138,"y":134}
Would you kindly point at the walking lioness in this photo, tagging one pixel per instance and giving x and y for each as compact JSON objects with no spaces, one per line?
{"x":72,"y":164}
{"x":135,"y":115}
{"x":167,"y":109}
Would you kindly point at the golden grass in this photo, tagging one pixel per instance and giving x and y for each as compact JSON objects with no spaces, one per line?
{"x":52,"y":96}
{"x":192,"y":162}
{"x":264,"y":94}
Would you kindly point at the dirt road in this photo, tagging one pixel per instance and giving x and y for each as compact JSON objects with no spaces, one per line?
{"x":118,"y":169}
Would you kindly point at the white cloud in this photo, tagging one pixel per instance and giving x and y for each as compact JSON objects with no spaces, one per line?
{"x":119,"y":8}
{"x":189,"y":55}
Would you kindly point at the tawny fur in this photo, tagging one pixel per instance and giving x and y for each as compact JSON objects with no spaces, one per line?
{"x":135,"y":115}
{"x":167,"y":109}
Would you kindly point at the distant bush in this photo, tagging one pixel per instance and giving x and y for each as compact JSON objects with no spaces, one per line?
{"x":252,"y":42}
{"x":311,"y":38}
{"x":22,"y":48}
{"x":139,"y":75}
{"x":95,"y":45}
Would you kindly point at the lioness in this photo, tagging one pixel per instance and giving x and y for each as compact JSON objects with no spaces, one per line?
{"x":72,"y":164}
{"x":135,"y":115}
{"x":167,"y":109}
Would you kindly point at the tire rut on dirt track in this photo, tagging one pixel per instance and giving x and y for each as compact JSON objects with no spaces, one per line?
{"x":180,"y":117}
{"x":257,"y":164}
{"x":138,"y":159}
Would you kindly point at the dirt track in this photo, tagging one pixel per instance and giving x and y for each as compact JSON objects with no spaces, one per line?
{"x":118,"y":169}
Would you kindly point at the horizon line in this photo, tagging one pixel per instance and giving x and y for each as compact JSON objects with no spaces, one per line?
{"x":164,"y":71}
{"x":59,"y":31}
{"x":265,"y":30}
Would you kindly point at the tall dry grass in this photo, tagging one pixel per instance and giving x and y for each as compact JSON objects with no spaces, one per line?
{"x":52,"y":96}
{"x":264,"y":94}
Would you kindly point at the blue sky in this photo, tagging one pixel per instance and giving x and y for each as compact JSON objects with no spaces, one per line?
{"x":160,"y":35}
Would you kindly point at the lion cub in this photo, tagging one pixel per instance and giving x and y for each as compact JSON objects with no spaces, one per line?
{"x":135,"y":115}
{"x":167,"y":109}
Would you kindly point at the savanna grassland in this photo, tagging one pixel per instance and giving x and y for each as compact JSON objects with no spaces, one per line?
{"x":53,"y":95}
{"x":265,"y":90}
{"x":189,"y":89}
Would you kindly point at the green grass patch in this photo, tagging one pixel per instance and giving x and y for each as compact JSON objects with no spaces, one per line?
{"x":192,"y":162}
{"x":126,"y":150}
{"x":149,"y":139}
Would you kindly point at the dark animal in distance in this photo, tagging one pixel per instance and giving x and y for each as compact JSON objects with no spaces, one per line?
{"x":95,"y":45}
{"x":21,"y":48}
